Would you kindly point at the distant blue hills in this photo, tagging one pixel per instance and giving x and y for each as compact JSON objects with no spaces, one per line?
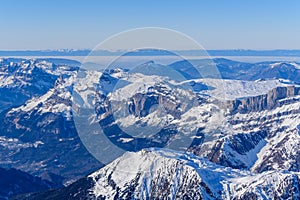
{"x":150,"y":52}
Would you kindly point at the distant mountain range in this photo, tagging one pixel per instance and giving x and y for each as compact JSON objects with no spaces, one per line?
{"x":149,"y":52}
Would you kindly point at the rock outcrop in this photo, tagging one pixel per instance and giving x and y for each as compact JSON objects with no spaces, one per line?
{"x":263,"y":102}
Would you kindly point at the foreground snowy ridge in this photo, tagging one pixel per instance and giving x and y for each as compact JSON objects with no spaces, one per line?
{"x":166,"y":174}
{"x":163,"y":173}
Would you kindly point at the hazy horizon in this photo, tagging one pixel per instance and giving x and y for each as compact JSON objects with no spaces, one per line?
{"x":120,"y":50}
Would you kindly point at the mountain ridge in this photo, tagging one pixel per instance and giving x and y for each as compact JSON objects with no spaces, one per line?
{"x":161,"y":173}
{"x":149,"y":52}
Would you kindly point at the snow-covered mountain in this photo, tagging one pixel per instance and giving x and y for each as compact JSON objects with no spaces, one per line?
{"x":241,"y":71}
{"x":243,"y":129}
{"x":230,"y":122}
{"x":38,"y":135}
{"x":165,"y":174}
{"x":20,"y":79}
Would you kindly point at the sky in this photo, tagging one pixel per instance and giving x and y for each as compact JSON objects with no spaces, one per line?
{"x":215,"y":24}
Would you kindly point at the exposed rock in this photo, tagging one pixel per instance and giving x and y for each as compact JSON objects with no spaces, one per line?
{"x":263,"y":102}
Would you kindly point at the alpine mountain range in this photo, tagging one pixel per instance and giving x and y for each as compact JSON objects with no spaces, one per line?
{"x":240,"y":129}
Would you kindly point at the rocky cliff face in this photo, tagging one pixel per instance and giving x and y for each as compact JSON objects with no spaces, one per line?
{"x":263,"y":102}
{"x":264,"y":133}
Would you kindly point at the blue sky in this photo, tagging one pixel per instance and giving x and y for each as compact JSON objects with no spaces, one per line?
{"x":216,"y":24}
